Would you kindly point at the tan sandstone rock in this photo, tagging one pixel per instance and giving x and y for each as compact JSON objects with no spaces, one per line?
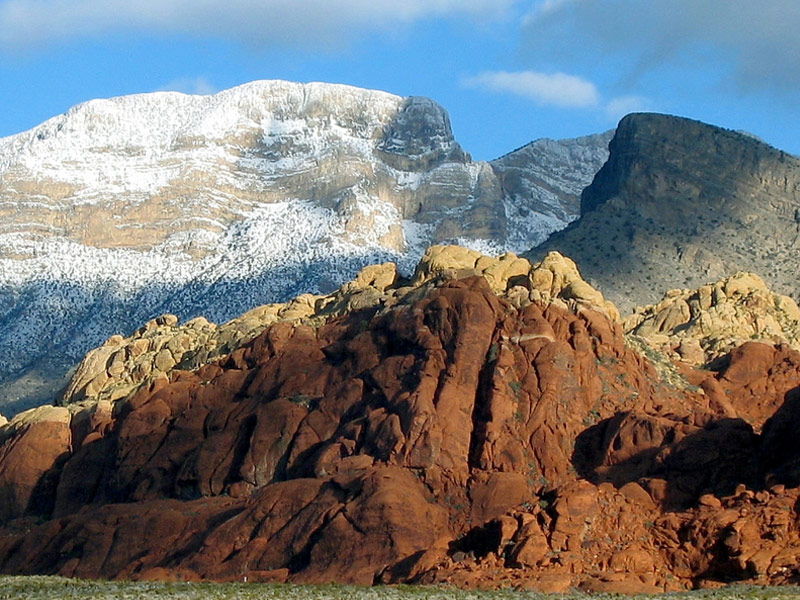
{"x":123,"y":365}
{"x":703,"y":324}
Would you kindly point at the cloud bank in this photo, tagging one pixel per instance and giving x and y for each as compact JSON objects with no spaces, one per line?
{"x":26,"y":24}
{"x":753,"y":45}
{"x":557,"y":89}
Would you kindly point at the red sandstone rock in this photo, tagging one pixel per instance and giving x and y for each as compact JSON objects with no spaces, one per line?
{"x":449,"y":438}
{"x":33,"y":449}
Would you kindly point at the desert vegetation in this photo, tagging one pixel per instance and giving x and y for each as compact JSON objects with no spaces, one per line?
{"x":52,"y":588}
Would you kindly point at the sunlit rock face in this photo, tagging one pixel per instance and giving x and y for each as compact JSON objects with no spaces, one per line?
{"x":127,"y":208}
{"x":485,"y":423}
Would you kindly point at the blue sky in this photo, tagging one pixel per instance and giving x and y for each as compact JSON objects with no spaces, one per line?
{"x":507,"y":71}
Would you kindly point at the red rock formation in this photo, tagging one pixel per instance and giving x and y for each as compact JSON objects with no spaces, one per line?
{"x":31,"y":453}
{"x":451,"y":437}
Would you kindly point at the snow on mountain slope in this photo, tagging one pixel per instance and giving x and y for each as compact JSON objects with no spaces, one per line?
{"x":542,"y":183}
{"x":123,"y":209}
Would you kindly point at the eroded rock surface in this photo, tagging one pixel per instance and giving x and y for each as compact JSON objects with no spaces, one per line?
{"x":121,"y":365}
{"x":704,"y":324}
{"x":487,"y":424}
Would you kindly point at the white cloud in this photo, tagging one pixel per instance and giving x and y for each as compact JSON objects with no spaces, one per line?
{"x":557,"y":89}
{"x":31,"y":23}
{"x":188,"y":85}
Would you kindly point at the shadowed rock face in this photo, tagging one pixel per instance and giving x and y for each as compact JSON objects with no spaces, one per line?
{"x":474,"y":431}
{"x":682,"y":202}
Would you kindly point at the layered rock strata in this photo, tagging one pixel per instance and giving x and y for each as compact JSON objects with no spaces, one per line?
{"x":485,"y":424}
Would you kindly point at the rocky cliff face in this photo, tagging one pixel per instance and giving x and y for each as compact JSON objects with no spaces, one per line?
{"x":682,"y":202}
{"x":485,"y":422}
{"x":121,"y":210}
{"x":544,"y":181}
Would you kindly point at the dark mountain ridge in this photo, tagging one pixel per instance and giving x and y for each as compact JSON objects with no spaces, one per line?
{"x":680,"y":201}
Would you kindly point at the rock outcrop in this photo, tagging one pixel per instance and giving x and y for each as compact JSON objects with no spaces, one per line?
{"x":682,"y":203}
{"x":487,"y":424}
{"x":122,"y":365}
{"x":702,"y":325}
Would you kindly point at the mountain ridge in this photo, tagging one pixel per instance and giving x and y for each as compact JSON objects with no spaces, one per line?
{"x":680,"y":201}
{"x":252,"y":195}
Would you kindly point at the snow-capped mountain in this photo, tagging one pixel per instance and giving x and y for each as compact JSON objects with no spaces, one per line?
{"x":126,"y":208}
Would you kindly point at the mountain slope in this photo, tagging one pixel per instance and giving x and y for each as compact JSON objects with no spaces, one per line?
{"x":542,"y":183}
{"x":683,"y":202}
{"x":124,"y":209}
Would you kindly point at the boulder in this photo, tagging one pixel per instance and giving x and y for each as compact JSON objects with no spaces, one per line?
{"x":702,"y":325}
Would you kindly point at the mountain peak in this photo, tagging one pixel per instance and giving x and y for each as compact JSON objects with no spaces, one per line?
{"x":682,"y":201}
{"x":650,"y":141}
{"x":126,"y":208}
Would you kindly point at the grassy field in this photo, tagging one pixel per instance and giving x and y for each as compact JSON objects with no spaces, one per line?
{"x":52,"y":588}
